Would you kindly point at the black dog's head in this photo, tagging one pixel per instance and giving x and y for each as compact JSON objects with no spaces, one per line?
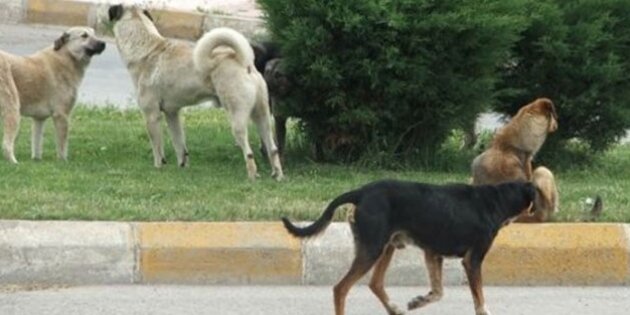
{"x":118,"y":11}
{"x":276,"y":77}
{"x":519,"y":197}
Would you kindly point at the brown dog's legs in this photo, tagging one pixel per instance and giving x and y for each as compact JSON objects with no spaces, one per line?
{"x":376,"y":284}
{"x":10,"y":113}
{"x":434,"y":265}
{"x":472,"y":264}
{"x":360,"y":266}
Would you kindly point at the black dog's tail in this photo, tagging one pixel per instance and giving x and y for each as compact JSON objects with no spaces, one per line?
{"x":326,"y":217}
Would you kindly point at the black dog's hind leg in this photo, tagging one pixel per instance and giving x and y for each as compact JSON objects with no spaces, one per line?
{"x":434,"y":265}
{"x":360,"y":266}
{"x":377,"y":282}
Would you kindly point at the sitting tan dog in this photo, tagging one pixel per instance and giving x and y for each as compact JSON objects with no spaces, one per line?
{"x":510,"y":155}
{"x":43,"y":85}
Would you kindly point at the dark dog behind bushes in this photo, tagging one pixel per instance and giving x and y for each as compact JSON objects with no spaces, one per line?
{"x":445,"y":221}
{"x":268,"y":61}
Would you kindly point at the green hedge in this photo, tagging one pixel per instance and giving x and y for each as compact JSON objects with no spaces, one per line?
{"x":386,"y":80}
{"x":578,"y":54}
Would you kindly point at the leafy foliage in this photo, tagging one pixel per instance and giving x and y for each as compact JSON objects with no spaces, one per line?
{"x":576,"y":53}
{"x":392,"y":78}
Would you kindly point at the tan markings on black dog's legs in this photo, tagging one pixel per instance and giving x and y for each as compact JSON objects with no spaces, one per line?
{"x":360,"y":266}
{"x":378,"y":276}
{"x":472,"y":265}
{"x":434,"y":265}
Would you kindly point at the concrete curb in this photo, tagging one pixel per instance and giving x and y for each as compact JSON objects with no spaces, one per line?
{"x":171,"y":23}
{"x":91,"y":253}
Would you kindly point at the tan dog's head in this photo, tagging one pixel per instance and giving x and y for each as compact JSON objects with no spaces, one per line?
{"x":542,"y":107}
{"x":80,"y":42}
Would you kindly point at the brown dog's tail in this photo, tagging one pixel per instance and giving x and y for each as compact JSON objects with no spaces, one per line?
{"x":326,"y":217}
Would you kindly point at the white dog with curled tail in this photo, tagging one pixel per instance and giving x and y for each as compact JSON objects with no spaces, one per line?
{"x":170,"y":74}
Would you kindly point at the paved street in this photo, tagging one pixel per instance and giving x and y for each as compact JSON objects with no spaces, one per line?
{"x":303,"y":300}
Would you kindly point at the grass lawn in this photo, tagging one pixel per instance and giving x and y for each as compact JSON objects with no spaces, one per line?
{"x":110,"y":176}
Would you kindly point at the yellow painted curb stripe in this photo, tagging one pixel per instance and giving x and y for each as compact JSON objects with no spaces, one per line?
{"x":57,"y":12}
{"x":557,"y":254}
{"x":218,"y":253}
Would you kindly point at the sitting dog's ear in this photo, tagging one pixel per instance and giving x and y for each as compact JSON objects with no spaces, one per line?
{"x":59,"y":42}
{"x":547,"y":104}
{"x":147,"y":14}
{"x":115,"y":12}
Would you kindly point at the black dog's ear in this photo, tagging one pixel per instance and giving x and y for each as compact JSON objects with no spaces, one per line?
{"x":145,"y":12}
{"x":115,"y":12}
{"x":59,"y":42}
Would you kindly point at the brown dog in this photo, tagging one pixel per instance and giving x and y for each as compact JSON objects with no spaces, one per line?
{"x":44,"y":85}
{"x":510,"y":155}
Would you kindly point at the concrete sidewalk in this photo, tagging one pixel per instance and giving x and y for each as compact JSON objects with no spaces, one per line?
{"x":179,"y":19}
{"x":92,"y":253}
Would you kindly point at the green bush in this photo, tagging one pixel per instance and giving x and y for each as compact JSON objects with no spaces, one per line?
{"x":578,"y":54}
{"x":389,"y":79}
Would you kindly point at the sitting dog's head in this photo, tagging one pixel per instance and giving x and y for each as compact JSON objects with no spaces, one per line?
{"x":80,"y":42}
{"x":544,"y":109}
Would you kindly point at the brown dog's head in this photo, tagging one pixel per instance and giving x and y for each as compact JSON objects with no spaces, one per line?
{"x":543,"y":107}
{"x":80,"y":42}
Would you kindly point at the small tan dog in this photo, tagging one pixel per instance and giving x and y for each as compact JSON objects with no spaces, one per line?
{"x":170,"y":74}
{"x":510,"y":155}
{"x":43,"y":85}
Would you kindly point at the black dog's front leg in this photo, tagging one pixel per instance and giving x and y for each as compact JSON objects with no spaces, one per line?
{"x":472,"y":264}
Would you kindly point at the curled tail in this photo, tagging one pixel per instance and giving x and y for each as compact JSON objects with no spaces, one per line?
{"x":324,"y":220}
{"x":222,"y":36}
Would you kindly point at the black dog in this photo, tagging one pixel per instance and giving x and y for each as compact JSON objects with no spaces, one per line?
{"x":268,"y":61}
{"x":452,"y":220}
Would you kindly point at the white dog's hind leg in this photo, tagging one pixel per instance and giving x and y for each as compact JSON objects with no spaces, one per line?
{"x":179,"y":138}
{"x":37,"y":136}
{"x":61,"y":128}
{"x":262,"y":119}
{"x":239,"y":119}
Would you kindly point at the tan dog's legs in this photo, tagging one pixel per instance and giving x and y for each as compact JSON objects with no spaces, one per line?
{"x":61,"y":128}
{"x":472,"y":265}
{"x":376,"y":284}
{"x":37,"y":139}
{"x":10,"y":111}
{"x":434,"y":265}
{"x":179,"y":138}
{"x":262,"y":118}
{"x":360,"y":266}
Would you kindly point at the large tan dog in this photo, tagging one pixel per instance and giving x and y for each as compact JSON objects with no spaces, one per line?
{"x":510,"y":155}
{"x":169,"y":75}
{"x":42,"y":85}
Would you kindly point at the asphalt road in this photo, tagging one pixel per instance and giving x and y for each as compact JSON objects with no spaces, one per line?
{"x":304,"y":300}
